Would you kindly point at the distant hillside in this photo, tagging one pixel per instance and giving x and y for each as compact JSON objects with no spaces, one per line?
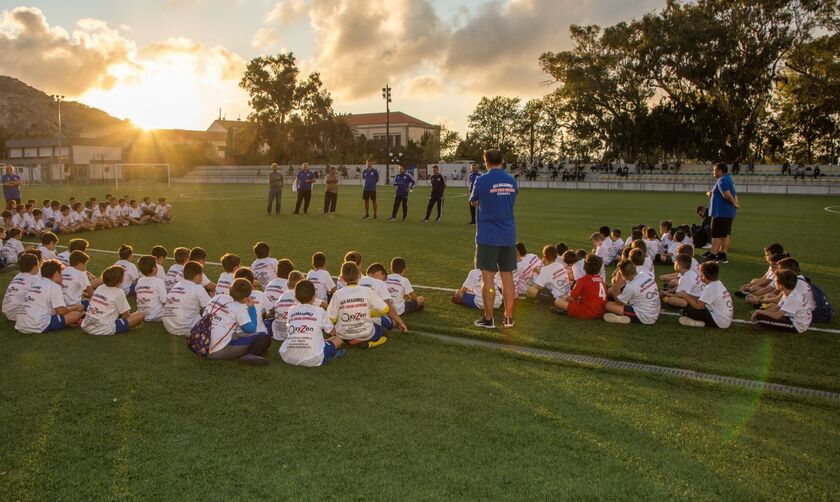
{"x":26,"y":112}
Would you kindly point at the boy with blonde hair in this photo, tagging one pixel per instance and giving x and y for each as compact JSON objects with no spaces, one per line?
{"x":353,"y":308}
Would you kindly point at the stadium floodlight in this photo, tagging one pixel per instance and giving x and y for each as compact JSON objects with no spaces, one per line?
{"x":386,"y":95}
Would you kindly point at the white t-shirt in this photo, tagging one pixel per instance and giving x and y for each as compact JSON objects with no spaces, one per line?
{"x":617,"y":246}
{"x":304,"y":345}
{"x":281,"y":313}
{"x":135,"y":212}
{"x":38,"y":306}
{"x":74,"y":282}
{"x":649,"y":266}
{"x":224,"y":282}
{"x":399,"y":287}
{"x":577,"y":270}
{"x":795,"y":307}
{"x":554,"y":277}
{"x":161,"y":272}
{"x":46,"y":253}
{"x":690,"y":283}
{"x":151,"y":297}
{"x":163,"y":210}
{"x":96,"y":215}
{"x":38,"y":225}
{"x":106,"y":305}
{"x":12,"y":248}
{"x":378,"y":287}
{"x":64,"y":258}
{"x":718,"y":303}
{"x":665,"y":242}
{"x":15,"y":292}
{"x":174,"y":276}
{"x":18,"y":221}
{"x":323,"y":283}
{"x":351,"y":310}
{"x":125,"y":211}
{"x":604,"y":251}
{"x":265,"y":270}
{"x":474,"y":283}
{"x":805,"y":290}
{"x":276,"y":288}
{"x":262,"y":305}
{"x":642,"y":294}
{"x":228,"y":317}
{"x":183,"y":307}
{"x":113,"y":213}
{"x":526,"y":269}
{"x":131,"y":274}
{"x":47,"y":213}
{"x":695,"y":265}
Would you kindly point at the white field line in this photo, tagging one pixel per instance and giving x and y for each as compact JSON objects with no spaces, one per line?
{"x":832,"y":209}
{"x":450,"y":290}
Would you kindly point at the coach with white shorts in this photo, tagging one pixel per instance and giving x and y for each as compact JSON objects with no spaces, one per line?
{"x":494,"y":196}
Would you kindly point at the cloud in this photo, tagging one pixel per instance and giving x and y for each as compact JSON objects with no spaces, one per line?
{"x":265,"y":38}
{"x":425,"y":85}
{"x":286,"y":11}
{"x":53,"y":59}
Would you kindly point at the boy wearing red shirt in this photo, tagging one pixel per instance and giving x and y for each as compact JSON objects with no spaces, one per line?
{"x":589,"y":295}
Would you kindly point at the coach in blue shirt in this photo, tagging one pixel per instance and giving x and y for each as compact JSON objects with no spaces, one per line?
{"x":371,"y":177}
{"x":11,"y":184}
{"x":722,"y":208}
{"x":305,"y":179}
{"x":474,"y":174}
{"x":494,"y":195}
{"x":403,"y":182}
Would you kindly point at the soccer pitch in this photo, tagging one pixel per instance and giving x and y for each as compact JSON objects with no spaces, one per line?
{"x":139,"y":416}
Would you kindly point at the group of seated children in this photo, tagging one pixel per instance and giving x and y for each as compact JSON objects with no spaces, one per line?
{"x":246,"y":309}
{"x":79,"y":216}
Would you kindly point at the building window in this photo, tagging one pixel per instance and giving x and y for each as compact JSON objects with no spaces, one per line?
{"x":396,"y":139}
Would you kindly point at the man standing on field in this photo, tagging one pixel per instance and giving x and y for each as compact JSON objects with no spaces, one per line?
{"x":474,"y":175}
{"x":275,"y":189}
{"x":371,"y":177}
{"x":722,"y":209}
{"x":494,"y":196}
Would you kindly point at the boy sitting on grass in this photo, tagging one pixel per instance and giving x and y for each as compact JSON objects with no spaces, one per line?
{"x":589,"y":296}
{"x":552,"y":282}
{"x":109,"y":312}
{"x":43,"y":308}
{"x":764,"y":280}
{"x":792,"y":313}
{"x":306,"y":326}
{"x":636,"y":297}
{"x":17,"y":288}
{"x":284,"y":303}
{"x":234,"y":329}
{"x":688,"y":284}
{"x":400,"y":288}
{"x":714,"y":306}
{"x":150,"y":290}
{"x":352,"y":308}
{"x":469,"y":294}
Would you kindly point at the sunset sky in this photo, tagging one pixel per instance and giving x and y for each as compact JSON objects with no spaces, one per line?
{"x":174,"y":63}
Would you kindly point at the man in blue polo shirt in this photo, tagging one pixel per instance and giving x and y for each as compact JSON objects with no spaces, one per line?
{"x":474,"y":174}
{"x":11,"y":184}
{"x":371,"y":177}
{"x":722,"y":208}
{"x":305,"y":179}
{"x":403,"y":182}
{"x":494,"y":195}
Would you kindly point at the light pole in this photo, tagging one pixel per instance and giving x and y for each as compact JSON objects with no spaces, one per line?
{"x":58,"y":99}
{"x":386,"y":95}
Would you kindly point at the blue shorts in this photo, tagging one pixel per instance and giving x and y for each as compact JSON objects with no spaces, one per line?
{"x":245,"y":339}
{"x":269,"y":326}
{"x":329,"y":352}
{"x":85,"y":304}
{"x":377,"y":333}
{"x":631,"y":313}
{"x":122,"y":325}
{"x":56,"y":323}
{"x":469,"y":300}
{"x":131,"y":290}
{"x":387,"y":323}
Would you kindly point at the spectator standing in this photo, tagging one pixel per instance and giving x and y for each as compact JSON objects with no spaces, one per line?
{"x":474,"y":175}
{"x":275,"y":189}
{"x":371,"y":178}
{"x":11,"y":185}
{"x":305,"y":179}
{"x":403,"y":183}
{"x":723,"y":206}
{"x":436,"y":198}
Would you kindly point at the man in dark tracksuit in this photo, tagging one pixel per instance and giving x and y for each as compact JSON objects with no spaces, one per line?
{"x":474,"y":174}
{"x":404,"y":183}
{"x":438,"y":186}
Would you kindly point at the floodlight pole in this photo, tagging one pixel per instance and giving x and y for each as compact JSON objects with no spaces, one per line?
{"x":58,"y":99}
{"x":386,"y":94}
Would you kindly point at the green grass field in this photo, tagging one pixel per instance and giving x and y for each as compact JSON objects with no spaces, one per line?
{"x":138,"y":416}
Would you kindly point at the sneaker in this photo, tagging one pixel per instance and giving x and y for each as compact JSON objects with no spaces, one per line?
{"x":340,"y":353}
{"x":616,"y":319}
{"x":138,"y":326}
{"x":253,"y":360}
{"x":295,"y":212}
{"x":721,"y":258}
{"x":485,"y":323}
{"x":556,"y":311}
{"x":707,"y":255}
{"x":437,"y":220}
{"x":425,"y":220}
{"x":366,"y":217}
{"x":707,"y":246}
{"x":741,"y":294}
{"x":392,"y":219}
{"x":687,"y":321}
{"x":507,"y":322}
{"x":382,"y":340}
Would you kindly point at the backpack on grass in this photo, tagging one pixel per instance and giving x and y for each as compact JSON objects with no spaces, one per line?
{"x":823,"y":311}
{"x":198,"y":340}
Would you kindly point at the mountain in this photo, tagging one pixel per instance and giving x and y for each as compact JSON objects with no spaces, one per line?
{"x":26,"y":112}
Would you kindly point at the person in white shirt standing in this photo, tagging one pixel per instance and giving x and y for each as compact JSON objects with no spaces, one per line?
{"x":109,"y":312}
{"x":17,"y":288}
{"x":150,"y":290}
{"x":43,"y":308}
{"x":306,"y":327}
{"x":352,"y":309}
{"x":792,"y":314}
{"x":714,"y":306}
{"x":636,"y":297}
{"x":185,"y":301}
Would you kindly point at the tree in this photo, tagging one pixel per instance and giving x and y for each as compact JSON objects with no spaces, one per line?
{"x":496,"y":123}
